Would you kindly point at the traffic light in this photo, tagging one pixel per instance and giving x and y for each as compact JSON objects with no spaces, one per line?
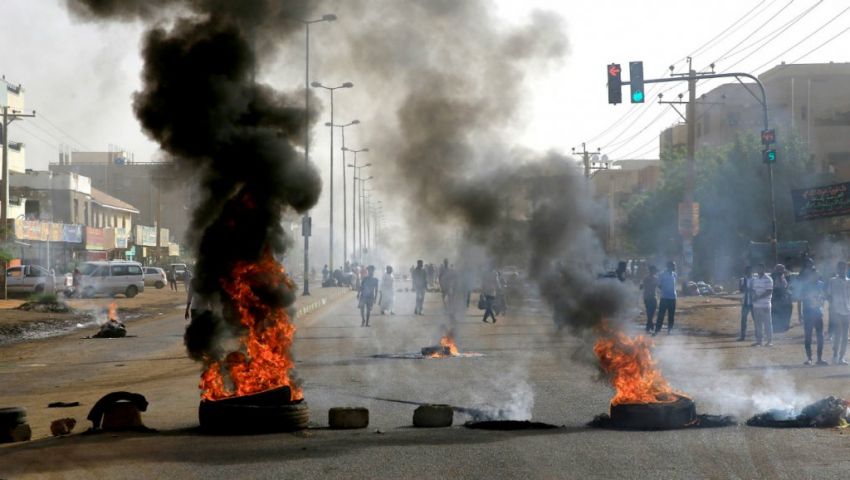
{"x":615,"y":84}
{"x":769,"y":155}
{"x":636,"y":81}
{"x":768,"y":137}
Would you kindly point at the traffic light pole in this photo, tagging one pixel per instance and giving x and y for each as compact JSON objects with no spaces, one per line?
{"x":692,"y":77}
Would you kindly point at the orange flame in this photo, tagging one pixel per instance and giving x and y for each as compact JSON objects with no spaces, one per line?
{"x":113,"y":311}
{"x":264,"y":360}
{"x":633,"y":372}
{"x":449,"y":347}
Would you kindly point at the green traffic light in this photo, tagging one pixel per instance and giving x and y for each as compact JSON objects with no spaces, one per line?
{"x":637,"y":96}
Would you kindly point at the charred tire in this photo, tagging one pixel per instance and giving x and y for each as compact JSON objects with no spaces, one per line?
{"x":131,"y":291}
{"x":228,"y":418}
{"x":348,"y":417}
{"x":433,"y":416}
{"x":654,"y":416}
{"x":159,"y":285}
{"x":13,"y":425}
{"x":11,"y":416}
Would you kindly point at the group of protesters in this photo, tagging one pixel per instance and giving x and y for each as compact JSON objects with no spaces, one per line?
{"x":769,"y":300}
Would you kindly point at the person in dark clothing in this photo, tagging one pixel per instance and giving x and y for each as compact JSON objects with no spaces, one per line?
{"x":649,"y":285}
{"x":367,"y":295}
{"x":745,"y":286}
{"x":667,"y":284}
{"x":489,"y":291}
{"x":621,"y":271}
{"x":781,"y":303}
{"x":172,"y":278}
{"x":812,"y":296}
{"x":419,"y":279}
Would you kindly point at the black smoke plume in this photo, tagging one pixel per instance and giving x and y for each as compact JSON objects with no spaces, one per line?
{"x":236,"y":137}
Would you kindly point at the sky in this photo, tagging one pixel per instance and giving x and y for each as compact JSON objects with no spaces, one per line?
{"x":80,"y":77}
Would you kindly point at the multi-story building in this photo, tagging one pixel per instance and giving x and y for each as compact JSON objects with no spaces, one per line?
{"x":147,"y":186}
{"x":812,"y":100}
{"x":614,"y":187}
{"x":12,"y":96}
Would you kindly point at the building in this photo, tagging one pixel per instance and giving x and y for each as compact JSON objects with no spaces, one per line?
{"x":150,"y":187}
{"x":615,"y":187}
{"x":12,"y":96}
{"x":810,"y":99}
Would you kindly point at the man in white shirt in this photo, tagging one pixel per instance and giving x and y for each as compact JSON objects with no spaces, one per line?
{"x":839,"y":300}
{"x":762,"y":293}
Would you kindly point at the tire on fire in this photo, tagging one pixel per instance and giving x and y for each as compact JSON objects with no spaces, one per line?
{"x":433,"y":416}
{"x":654,"y":416}
{"x":348,"y":417}
{"x":225,"y":417}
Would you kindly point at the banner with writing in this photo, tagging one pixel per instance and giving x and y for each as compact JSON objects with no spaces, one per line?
{"x":821,"y":202}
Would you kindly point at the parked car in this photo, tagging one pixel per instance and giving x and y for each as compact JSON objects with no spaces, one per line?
{"x":154,"y":277}
{"x":112,"y":278}
{"x":30,"y":279}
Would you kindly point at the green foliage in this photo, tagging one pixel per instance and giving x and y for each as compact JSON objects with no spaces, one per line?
{"x":733,"y":189}
{"x":44,"y":298}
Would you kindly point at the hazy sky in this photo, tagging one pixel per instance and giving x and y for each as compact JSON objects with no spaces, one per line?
{"x":79,"y":77}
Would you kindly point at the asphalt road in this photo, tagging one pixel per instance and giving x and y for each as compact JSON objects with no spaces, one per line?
{"x":525,"y":368}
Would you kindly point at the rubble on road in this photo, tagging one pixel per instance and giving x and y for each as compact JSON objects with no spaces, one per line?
{"x":111,"y":329}
{"x":63,"y":426}
{"x":825,"y":413}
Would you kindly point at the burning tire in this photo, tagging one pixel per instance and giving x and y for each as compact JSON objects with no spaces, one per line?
{"x":654,"y":416}
{"x":258,"y":413}
{"x":348,"y":417}
{"x":433,"y":416}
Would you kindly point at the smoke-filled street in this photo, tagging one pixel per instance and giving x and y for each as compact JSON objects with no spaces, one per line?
{"x":520,"y":371}
{"x":424,"y":238}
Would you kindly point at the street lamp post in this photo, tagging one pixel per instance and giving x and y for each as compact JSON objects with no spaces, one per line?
{"x":305,"y":220}
{"x":331,"y":188}
{"x":364,"y":205}
{"x":354,"y":196}
{"x":344,"y":192}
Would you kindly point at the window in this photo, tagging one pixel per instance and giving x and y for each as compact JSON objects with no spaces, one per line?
{"x":13,"y":272}
{"x":134,"y":270}
{"x":119,"y":270}
{"x":32,"y":209}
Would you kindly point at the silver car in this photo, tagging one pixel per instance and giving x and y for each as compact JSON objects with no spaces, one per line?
{"x":112,"y":278}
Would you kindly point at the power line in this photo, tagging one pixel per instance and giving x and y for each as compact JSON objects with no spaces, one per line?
{"x":756,"y":30}
{"x":48,"y":133}
{"x":641,"y":147}
{"x":805,"y":38}
{"x":626,"y":142}
{"x":37,"y":137}
{"x":71,"y":137}
{"x":821,"y":45}
{"x":716,"y":37}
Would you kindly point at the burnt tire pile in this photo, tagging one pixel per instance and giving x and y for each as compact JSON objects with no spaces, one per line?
{"x":264,"y":412}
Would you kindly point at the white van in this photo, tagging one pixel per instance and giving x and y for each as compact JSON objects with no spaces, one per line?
{"x":112,"y":278}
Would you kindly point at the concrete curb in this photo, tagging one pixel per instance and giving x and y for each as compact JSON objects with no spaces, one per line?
{"x":315,"y":305}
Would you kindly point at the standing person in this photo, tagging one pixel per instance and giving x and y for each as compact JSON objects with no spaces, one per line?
{"x":838,"y":293}
{"x":649,"y":285}
{"x":812,"y":297}
{"x":368,"y":293}
{"x":387,"y":292}
{"x":745,"y":286}
{"x":781,"y":304}
{"x":325,"y":275}
{"x":667,"y":284}
{"x":172,"y":278}
{"x":762,"y":293}
{"x":441,"y":274}
{"x":420,"y":283}
{"x":187,"y":278}
{"x":489,"y":290}
{"x":77,"y":283}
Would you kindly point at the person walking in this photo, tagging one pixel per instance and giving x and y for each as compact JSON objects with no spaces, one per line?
{"x":762,"y":292}
{"x":745,"y":286}
{"x":667,"y":284}
{"x":781,"y":303}
{"x":387,"y":292}
{"x":649,"y":285}
{"x":367,"y":295}
{"x":187,"y":278}
{"x":489,"y":291}
{"x":172,"y":278}
{"x":420,"y":283}
{"x":812,"y":296}
{"x":838,"y":293}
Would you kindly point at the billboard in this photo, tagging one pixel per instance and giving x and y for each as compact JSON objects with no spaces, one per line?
{"x":94,"y":239}
{"x":821,"y":202}
{"x":145,"y":236}
{"x":120,"y":237}
{"x":72,"y":233}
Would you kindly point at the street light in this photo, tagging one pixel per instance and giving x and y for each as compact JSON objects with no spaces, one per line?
{"x":361,"y":197}
{"x":344,"y":192}
{"x":305,"y":221}
{"x":331,"y":188}
{"x":364,"y":218}
{"x":354,"y":194}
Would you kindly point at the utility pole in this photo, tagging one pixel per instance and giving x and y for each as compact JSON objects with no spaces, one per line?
{"x":585,"y":156}
{"x":690,"y":113}
{"x":8,"y":118}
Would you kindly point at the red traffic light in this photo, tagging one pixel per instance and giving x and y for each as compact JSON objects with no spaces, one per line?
{"x":768,"y":137}
{"x":613,"y":70}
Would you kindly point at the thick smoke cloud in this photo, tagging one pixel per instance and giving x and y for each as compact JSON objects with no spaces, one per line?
{"x":455,"y":76}
{"x":236,"y":137}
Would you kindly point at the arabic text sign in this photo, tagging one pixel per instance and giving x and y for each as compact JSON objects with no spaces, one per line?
{"x":821,"y":202}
